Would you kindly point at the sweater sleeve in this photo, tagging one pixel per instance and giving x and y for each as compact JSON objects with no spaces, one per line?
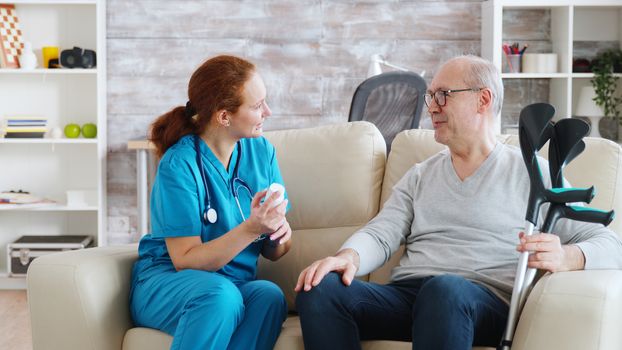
{"x":382,"y":236}
{"x":601,"y":247}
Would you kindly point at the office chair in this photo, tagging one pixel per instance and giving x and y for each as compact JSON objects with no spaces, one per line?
{"x":393,"y":101}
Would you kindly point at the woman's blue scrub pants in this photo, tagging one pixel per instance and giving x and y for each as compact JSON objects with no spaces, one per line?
{"x":205,"y":310}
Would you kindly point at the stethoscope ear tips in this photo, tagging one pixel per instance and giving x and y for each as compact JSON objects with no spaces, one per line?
{"x":210,"y":215}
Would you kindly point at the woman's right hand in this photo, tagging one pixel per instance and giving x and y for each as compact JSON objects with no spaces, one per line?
{"x":264,"y":217}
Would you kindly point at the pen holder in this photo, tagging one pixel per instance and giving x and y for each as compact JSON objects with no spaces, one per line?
{"x":512,"y":63}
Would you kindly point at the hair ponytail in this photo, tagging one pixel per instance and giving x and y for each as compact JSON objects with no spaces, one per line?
{"x":169,"y":128}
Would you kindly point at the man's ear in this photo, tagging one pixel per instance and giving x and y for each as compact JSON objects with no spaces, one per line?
{"x":223,"y":118}
{"x":485,"y":100}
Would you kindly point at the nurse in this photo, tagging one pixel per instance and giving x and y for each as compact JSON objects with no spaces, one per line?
{"x":195,"y":278}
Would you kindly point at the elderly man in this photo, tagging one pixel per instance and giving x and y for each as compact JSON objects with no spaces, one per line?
{"x":460,"y":215}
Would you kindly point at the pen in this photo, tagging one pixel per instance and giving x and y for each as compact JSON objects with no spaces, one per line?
{"x":524,"y":48}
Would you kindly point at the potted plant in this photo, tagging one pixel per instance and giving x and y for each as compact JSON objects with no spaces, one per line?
{"x":605,"y":83}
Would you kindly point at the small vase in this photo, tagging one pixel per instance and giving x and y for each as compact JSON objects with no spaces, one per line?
{"x":27,"y":60}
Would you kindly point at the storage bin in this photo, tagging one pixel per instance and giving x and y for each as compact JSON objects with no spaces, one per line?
{"x":21,"y":252}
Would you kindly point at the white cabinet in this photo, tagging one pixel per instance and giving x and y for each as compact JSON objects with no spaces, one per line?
{"x":578,"y":28}
{"x":51,"y":167}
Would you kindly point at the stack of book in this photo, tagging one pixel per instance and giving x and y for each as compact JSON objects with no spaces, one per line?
{"x":25,"y":127}
{"x":10,"y":200}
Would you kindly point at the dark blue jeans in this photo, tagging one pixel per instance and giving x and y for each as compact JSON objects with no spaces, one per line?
{"x":435,"y":313}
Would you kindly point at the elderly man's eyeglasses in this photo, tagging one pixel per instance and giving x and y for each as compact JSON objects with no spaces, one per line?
{"x":440,"y":96}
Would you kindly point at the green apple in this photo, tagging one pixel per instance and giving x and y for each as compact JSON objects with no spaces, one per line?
{"x":89,"y":130}
{"x":72,"y":131}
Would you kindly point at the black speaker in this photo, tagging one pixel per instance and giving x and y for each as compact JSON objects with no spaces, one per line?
{"x":78,"y":58}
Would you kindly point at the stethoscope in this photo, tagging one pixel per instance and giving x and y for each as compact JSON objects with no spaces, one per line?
{"x":209,"y":214}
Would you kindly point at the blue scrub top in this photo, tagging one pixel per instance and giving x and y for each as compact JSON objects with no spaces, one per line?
{"x":178,"y":201}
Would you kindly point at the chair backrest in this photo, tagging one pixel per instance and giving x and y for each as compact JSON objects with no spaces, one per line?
{"x":393,"y":101}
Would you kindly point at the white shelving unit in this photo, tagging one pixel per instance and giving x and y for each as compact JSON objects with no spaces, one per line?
{"x":572,"y":21}
{"x":51,"y":167}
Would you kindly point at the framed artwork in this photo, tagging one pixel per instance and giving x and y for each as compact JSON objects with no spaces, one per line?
{"x":11,"y":44}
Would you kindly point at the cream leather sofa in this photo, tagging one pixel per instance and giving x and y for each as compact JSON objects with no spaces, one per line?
{"x":337,"y":178}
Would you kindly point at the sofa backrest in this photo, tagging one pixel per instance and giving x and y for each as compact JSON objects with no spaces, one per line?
{"x":600,"y":165}
{"x":333,"y":176}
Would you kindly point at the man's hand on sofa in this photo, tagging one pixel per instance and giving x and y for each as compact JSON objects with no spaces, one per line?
{"x":345,"y":262}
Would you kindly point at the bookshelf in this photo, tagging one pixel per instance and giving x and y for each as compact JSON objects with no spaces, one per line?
{"x":50,"y":167}
{"x":578,"y":29}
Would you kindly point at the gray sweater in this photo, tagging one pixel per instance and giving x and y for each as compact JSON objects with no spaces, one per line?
{"x":468,"y":228}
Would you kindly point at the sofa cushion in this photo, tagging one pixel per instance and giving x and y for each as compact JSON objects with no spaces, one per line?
{"x":146,"y":338}
{"x":333,"y":174}
{"x":600,"y":165}
{"x":291,"y":339}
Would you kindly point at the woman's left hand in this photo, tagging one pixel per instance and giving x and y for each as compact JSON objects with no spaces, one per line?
{"x":282,"y":234}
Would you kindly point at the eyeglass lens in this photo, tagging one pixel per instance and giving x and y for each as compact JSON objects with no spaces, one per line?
{"x":439,"y":96}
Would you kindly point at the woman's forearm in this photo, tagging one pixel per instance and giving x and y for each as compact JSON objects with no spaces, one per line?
{"x":212,"y":255}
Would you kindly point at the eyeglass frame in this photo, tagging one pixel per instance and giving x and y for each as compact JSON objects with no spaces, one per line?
{"x":445,"y":94}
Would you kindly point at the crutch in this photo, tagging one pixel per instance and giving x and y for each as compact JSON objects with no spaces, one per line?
{"x":565,"y":144}
{"x":535,"y":129}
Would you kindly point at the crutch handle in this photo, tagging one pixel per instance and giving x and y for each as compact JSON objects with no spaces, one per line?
{"x":570,"y":195}
{"x":590,"y":215}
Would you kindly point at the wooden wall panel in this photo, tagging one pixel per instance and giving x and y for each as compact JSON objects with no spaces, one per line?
{"x":257,"y":19}
{"x":413,"y":20}
{"x":312,"y":55}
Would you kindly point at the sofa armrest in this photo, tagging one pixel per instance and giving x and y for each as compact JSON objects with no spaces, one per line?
{"x":80,"y":299}
{"x":573,"y":310}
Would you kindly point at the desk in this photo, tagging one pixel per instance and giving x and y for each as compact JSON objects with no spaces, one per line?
{"x":143,"y":160}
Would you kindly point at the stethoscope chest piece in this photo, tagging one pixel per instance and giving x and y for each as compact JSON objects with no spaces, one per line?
{"x":210,"y":215}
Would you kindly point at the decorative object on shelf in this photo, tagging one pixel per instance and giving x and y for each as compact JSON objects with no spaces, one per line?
{"x":78,"y":58}
{"x":89,"y":130}
{"x":55,"y":133}
{"x":540,"y":63}
{"x":49,"y":53}
{"x":581,"y":65}
{"x":72,"y":131}
{"x":77,"y":198}
{"x":10,"y":37}
{"x":586,"y":107}
{"x":27,"y":60}
{"x":605,"y":83}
